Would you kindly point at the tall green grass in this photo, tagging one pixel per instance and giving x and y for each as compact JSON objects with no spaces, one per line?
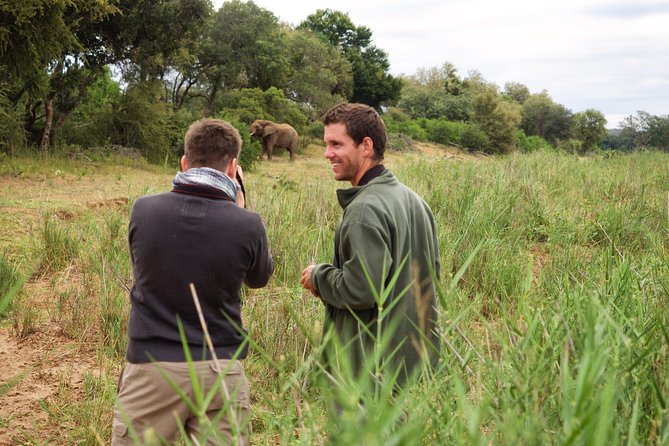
{"x":554,"y":308}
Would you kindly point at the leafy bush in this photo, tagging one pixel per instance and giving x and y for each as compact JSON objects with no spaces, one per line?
{"x":245,"y":105}
{"x":314,"y":130}
{"x":11,"y":131}
{"x":251,"y":147}
{"x":445,"y":132}
{"x":570,"y":145}
{"x":532,"y":143}
{"x":400,"y":123}
{"x":144,"y":122}
{"x":474,"y":138}
{"x":91,"y":124}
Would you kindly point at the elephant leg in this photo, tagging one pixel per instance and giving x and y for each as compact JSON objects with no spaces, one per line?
{"x":266,"y":149}
{"x":269,"y":151}
{"x":292,"y":149}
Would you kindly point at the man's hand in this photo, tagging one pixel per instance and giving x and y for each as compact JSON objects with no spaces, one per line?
{"x":305,"y":280}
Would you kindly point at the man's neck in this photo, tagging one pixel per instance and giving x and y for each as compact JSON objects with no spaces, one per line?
{"x":371,"y":173}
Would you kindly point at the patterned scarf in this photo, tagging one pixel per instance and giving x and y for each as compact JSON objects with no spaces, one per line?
{"x":206,"y":176}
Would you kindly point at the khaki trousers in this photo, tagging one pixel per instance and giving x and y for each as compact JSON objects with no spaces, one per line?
{"x":150,"y":411}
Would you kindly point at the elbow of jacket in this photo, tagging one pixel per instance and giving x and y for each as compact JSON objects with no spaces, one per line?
{"x":257,"y":283}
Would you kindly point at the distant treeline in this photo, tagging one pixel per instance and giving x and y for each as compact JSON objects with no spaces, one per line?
{"x":135,"y":73}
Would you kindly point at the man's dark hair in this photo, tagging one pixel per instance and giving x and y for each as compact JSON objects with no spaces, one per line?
{"x":361,"y":121}
{"x":211,"y":143}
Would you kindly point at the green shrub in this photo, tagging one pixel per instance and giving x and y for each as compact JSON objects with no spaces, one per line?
{"x":314,"y":130}
{"x":531,"y":143}
{"x":11,"y":130}
{"x":570,"y":145}
{"x":442,"y":131}
{"x":474,"y":138}
{"x":405,"y":126}
{"x":245,"y":105}
{"x":251,"y":147}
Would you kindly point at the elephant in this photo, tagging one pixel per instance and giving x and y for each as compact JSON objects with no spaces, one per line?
{"x":275,"y":135}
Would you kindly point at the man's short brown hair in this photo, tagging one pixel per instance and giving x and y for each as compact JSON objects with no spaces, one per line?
{"x":211,"y":143}
{"x":361,"y":121}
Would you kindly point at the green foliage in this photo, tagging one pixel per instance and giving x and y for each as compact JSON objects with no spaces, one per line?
{"x":322,"y":76}
{"x":497,"y":118}
{"x":315,"y":130}
{"x":474,"y":138}
{"x":245,"y":48}
{"x":12,"y":134}
{"x":399,"y":123}
{"x":372,"y":84}
{"x":436,"y":93}
{"x":249,"y":104}
{"x":642,"y":130}
{"x":149,"y":51}
{"x":590,"y":128}
{"x":532,"y":143}
{"x":445,"y":132}
{"x":571,"y":145}
{"x":91,"y":123}
{"x":545,"y":118}
{"x":143,"y":122}
{"x":517,"y":92}
{"x":251,"y":147}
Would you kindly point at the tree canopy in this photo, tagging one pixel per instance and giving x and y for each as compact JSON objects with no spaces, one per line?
{"x":136,"y":72}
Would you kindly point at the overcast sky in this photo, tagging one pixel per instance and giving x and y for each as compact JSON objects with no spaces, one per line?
{"x":611,"y":55}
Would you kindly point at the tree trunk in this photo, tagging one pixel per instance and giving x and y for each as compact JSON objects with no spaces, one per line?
{"x":48,"y":106}
{"x":210,"y":101}
{"x":58,"y":127}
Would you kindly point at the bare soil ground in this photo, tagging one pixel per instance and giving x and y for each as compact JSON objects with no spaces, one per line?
{"x":38,"y":365}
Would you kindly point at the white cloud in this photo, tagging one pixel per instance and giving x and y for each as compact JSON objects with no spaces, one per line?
{"x":609,"y":55}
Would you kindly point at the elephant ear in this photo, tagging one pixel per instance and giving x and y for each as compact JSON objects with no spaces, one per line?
{"x":268,"y":129}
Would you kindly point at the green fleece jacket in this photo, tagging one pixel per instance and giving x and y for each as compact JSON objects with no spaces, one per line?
{"x":386,"y":232}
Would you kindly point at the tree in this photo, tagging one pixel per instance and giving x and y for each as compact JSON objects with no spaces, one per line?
{"x":658,"y":130}
{"x":41,"y":40}
{"x":321,"y":75}
{"x":148,"y":37}
{"x":516,"y":92}
{"x":436,"y":92}
{"x":545,"y":118}
{"x":590,"y":128}
{"x":245,"y":47}
{"x":372,"y":84}
{"x":498,"y":119}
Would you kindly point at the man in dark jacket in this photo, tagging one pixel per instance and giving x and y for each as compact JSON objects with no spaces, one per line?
{"x":386,"y":255}
{"x":195,"y":234}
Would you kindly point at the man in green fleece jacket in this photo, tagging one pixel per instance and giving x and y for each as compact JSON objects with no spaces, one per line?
{"x":386,"y":240}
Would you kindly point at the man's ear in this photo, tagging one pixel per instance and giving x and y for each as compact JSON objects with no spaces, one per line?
{"x":368,"y":147}
{"x":232,"y":169}
{"x":184,"y":163}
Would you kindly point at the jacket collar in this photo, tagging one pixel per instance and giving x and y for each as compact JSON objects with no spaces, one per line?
{"x":346,"y":196}
{"x":201,"y":191}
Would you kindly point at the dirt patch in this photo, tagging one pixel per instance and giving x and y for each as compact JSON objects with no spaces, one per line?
{"x":32,"y":370}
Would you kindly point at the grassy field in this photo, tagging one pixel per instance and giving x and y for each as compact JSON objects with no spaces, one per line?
{"x":554,"y":301}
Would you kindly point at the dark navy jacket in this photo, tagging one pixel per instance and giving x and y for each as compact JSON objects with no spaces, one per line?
{"x":192,"y":234}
